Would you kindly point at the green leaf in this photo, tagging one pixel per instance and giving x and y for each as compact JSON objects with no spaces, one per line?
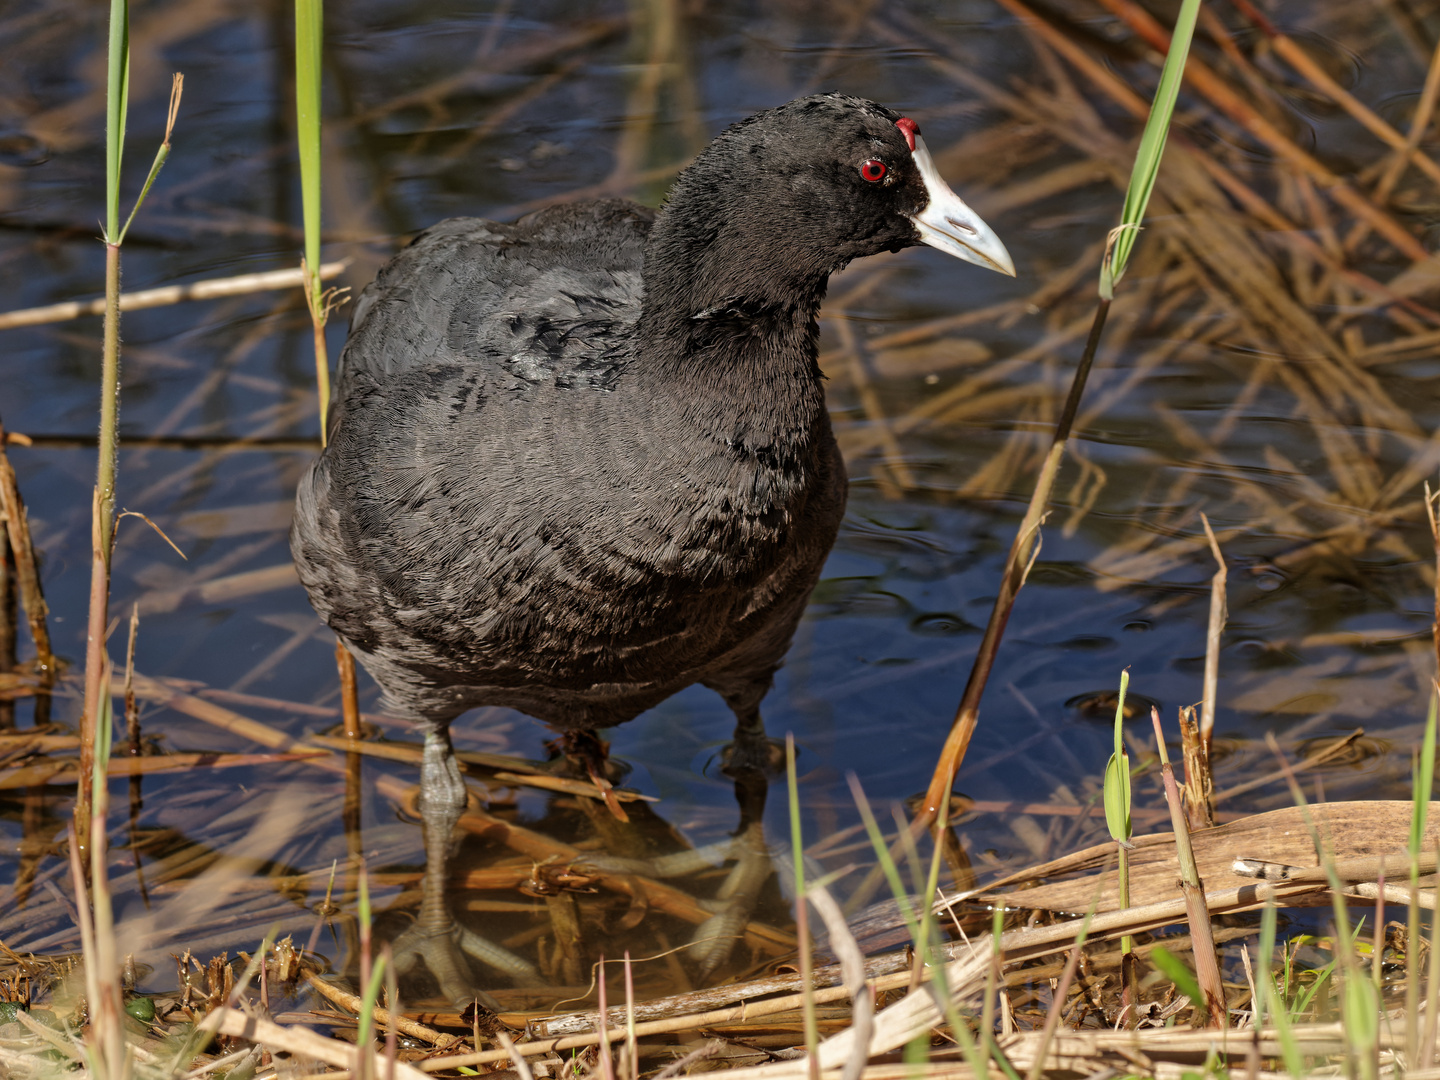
{"x":1120,"y":712}
{"x":1177,"y":972}
{"x":117,"y":94}
{"x":1117,"y":772}
{"x":1117,"y":796}
{"x":1360,"y":1011}
{"x":1152,"y":149}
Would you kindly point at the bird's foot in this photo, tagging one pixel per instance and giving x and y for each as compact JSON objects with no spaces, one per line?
{"x":715,"y":939}
{"x":583,"y":753}
{"x":753,"y":753}
{"x":443,"y":951}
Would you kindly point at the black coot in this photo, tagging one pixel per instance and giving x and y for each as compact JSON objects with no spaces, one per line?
{"x":579,"y":462}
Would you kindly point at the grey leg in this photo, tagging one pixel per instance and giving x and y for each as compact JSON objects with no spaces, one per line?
{"x":442,"y":801}
{"x":752,"y":748}
{"x":751,"y":761}
{"x":436,"y":940}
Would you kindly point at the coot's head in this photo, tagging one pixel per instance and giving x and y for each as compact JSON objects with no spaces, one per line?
{"x":804,"y":188}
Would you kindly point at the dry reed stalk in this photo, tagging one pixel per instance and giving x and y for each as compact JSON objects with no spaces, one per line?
{"x":1165,"y":1050}
{"x":522,"y":1067}
{"x":1207,"y":964}
{"x":210,"y":289}
{"x":893,"y":465}
{"x":894,"y":1026}
{"x":227,"y":1020}
{"x":346,"y":1000}
{"x":11,"y":681}
{"x":1023,"y":551}
{"x":854,"y":443}
{"x":1419,"y":124}
{"x":501,"y":777}
{"x":1290,"y":51}
{"x":67,"y":770}
{"x":852,"y":966}
{"x":1199,"y":783}
{"x":27,"y":571}
{"x":489,"y":67}
{"x":1214,"y":630}
{"x":1256,"y":205}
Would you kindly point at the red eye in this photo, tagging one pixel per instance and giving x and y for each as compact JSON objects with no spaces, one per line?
{"x":873,"y":170}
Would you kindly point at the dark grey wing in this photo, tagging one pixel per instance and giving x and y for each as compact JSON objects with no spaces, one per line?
{"x":542,"y":298}
{"x":422,"y":514}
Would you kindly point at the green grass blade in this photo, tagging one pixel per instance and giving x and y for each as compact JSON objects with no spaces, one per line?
{"x":1179,"y":973}
{"x":1152,"y":149}
{"x":309,"y":27}
{"x":160,"y":157}
{"x":1422,"y":789}
{"x":117,"y":94}
{"x":887,"y":864}
{"x":810,"y":1018}
{"x":1424,"y":782}
{"x":1268,"y":1008}
{"x":366,"y":1020}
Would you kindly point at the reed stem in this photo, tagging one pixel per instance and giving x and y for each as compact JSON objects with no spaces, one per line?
{"x":101,"y":534}
{"x":1017,"y":566}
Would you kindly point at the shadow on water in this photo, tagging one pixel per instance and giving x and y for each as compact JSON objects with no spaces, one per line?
{"x":1243,"y":376}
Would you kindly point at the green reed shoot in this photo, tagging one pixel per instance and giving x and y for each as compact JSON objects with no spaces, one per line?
{"x":1421,"y":791}
{"x":1118,"y":803}
{"x":372,"y":975}
{"x":1152,"y":149}
{"x":1268,"y":1009}
{"x":309,"y":36}
{"x":309,"y":40}
{"x":110,"y":1056}
{"x":117,"y":100}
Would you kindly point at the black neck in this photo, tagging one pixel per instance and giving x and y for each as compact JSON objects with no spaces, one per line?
{"x":728,"y":328}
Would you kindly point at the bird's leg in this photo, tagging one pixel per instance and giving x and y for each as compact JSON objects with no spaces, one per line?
{"x":435,"y":939}
{"x":735,"y":901}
